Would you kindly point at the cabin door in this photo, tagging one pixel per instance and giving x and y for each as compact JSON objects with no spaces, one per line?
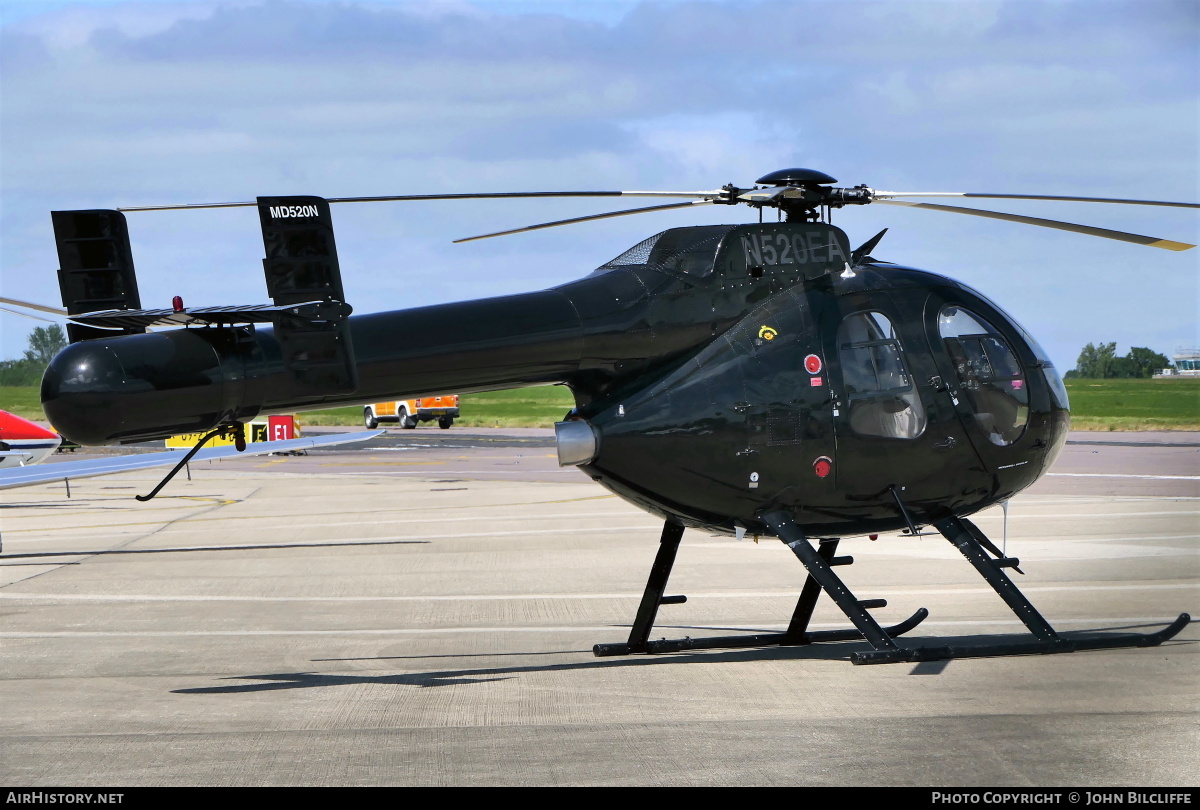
{"x":980,"y":373}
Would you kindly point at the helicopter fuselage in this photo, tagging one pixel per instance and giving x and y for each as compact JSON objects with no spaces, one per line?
{"x":721,"y":372}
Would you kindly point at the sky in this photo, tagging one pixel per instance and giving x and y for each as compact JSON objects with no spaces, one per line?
{"x":106,"y":104}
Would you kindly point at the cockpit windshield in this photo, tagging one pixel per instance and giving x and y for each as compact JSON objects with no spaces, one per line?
{"x":678,"y":251}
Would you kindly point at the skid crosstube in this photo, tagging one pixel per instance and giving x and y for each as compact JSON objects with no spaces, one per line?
{"x":797,"y":632}
{"x":820,"y":561}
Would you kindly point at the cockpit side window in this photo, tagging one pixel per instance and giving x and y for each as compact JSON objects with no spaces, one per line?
{"x":680,"y":252}
{"x":882,"y":398}
{"x":990,"y":375}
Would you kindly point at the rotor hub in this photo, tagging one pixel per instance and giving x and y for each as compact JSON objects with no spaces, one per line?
{"x":795,"y":177}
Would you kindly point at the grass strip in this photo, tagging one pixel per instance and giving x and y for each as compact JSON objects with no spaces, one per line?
{"x":1109,"y":405}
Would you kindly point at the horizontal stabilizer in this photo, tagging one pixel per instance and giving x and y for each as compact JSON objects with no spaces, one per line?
{"x":314,"y":311}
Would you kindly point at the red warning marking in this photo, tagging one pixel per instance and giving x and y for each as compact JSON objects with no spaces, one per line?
{"x":815,"y":382}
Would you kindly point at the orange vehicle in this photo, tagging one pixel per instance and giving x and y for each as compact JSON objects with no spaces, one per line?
{"x":408,"y":412}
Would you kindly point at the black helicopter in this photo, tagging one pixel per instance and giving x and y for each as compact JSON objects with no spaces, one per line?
{"x":759,"y":378}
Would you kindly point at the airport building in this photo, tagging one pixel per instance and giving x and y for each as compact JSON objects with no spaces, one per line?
{"x":1187,"y":364}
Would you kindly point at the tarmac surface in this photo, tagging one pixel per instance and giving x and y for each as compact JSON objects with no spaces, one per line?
{"x":420,"y":610}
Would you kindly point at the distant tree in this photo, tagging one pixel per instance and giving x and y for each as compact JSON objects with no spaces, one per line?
{"x":1101,"y":362}
{"x":19,"y":372}
{"x":1095,"y":362}
{"x":44,"y":343}
{"x":1121,"y":368}
{"x":1146,"y":362}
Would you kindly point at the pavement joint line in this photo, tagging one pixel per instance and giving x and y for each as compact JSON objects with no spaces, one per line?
{"x":415,"y":536}
{"x":421,"y":631}
{"x":390,"y":463}
{"x":1125,"y":475}
{"x":309,"y":518}
{"x":1040,"y":544}
{"x":1046,"y":500}
{"x":297,"y":516}
{"x":51,"y":597}
{"x":1015,"y":515}
{"x":449,"y":471}
{"x":1054,"y":540}
{"x":1040,"y":551}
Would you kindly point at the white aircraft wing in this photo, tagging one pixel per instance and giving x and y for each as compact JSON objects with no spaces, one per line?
{"x":41,"y":473}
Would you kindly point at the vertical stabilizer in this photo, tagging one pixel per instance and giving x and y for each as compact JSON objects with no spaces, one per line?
{"x":95,"y":267}
{"x":301,"y":266}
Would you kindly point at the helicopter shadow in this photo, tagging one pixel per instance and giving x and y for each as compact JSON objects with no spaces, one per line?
{"x":453,"y":677}
{"x":836,"y":651}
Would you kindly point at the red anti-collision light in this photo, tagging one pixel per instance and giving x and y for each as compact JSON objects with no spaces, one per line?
{"x":823,"y":466}
{"x":177,"y":303}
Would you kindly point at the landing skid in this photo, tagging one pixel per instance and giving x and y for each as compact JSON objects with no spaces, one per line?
{"x":796,"y":634}
{"x":820,"y":562}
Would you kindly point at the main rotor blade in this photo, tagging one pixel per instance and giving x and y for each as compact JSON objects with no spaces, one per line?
{"x":707,"y":195}
{"x":1149,"y":241}
{"x":17,"y":302}
{"x":585,"y":219}
{"x":880,"y":196}
{"x":25,"y":314}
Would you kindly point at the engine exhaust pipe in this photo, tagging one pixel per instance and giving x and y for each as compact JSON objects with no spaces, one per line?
{"x":578,"y":442}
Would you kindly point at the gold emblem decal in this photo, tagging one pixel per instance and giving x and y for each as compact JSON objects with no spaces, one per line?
{"x":767,"y":333}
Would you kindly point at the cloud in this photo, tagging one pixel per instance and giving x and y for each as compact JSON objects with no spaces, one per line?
{"x":131,"y":103}
{"x":72,"y":26}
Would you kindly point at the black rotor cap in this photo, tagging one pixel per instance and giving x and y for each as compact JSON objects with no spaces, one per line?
{"x":795,"y":177}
